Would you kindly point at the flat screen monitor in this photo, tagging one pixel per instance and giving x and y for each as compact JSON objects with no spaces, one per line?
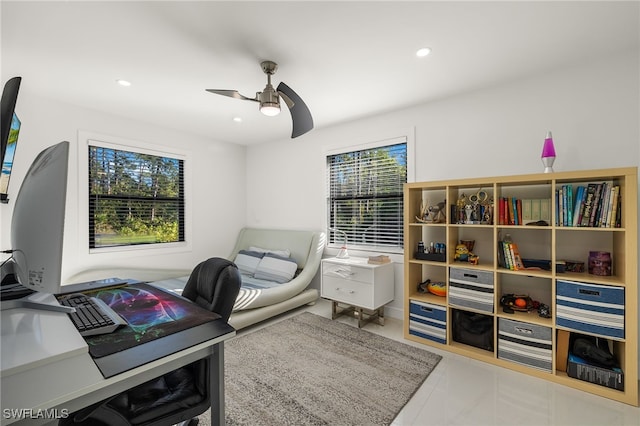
{"x":37,"y":224}
{"x":9,"y":155}
{"x":7,"y":109}
{"x":8,"y":132}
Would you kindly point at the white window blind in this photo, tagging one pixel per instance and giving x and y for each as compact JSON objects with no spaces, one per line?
{"x":366,"y":196}
{"x":134,"y":198}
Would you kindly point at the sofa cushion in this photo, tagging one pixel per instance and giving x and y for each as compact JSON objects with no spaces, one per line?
{"x":276,"y":268}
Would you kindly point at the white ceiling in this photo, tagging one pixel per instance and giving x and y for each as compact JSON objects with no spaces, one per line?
{"x":347,"y":60}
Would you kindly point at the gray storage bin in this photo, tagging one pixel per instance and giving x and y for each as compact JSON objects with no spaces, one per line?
{"x":471,"y":288}
{"x":525,"y":343}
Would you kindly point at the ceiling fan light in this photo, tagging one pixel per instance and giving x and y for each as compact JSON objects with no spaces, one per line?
{"x":270,"y":109}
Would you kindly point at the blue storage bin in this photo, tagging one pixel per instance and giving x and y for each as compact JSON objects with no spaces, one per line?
{"x":592,"y":308}
{"x":428,"y":321}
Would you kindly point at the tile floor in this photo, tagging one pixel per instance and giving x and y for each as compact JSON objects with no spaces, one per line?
{"x":462,"y":391}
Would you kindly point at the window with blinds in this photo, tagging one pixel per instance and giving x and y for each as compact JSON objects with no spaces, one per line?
{"x":366,"y":197}
{"x":134,"y":198}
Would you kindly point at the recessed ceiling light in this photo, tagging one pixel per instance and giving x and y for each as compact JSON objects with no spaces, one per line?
{"x":421,"y":53}
{"x":124,"y":83}
{"x":237,"y":119}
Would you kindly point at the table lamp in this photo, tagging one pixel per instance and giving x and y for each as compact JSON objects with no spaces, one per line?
{"x":343,"y":253}
{"x":548,"y":153}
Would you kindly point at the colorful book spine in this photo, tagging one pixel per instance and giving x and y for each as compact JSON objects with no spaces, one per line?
{"x":596,"y":205}
{"x":569,"y":205}
{"x":614,"y":213}
{"x":604,"y":210}
{"x":577,"y":205}
{"x":517,"y":260}
{"x":588,"y":204}
{"x":580,"y":206}
{"x":507,"y":255}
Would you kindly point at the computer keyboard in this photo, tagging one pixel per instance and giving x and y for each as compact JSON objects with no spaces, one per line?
{"x":92,"y":315}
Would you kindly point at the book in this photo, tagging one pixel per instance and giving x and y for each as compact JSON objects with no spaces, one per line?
{"x":379,"y":260}
{"x":604,"y":211}
{"x":512,"y":219}
{"x":583,"y":194}
{"x":515,"y":253}
{"x":535,"y":210}
{"x":614,"y":212}
{"x":569,"y":205}
{"x":595,"y":205}
{"x":577,"y":206}
{"x":526,"y":211}
{"x":561,"y":204}
{"x":545,"y":210}
{"x":619,"y":212}
{"x":588,"y":204}
{"x":501,"y":256}
{"x":508,"y":259}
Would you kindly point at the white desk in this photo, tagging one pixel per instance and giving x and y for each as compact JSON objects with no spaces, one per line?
{"x":46,"y":366}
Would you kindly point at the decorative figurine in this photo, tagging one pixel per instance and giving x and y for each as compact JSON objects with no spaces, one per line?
{"x":468,"y":209}
{"x":462,"y":253}
{"x":432,"y":214}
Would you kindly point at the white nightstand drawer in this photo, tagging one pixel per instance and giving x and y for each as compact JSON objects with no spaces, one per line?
{"x":351,"y":292}
{"x":348,"y":272}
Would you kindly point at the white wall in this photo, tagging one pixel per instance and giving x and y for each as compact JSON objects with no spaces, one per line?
{"x":218,"y":185}
{"x":592,"y":110}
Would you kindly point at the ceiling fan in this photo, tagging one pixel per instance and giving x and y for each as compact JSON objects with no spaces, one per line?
{"x":269,"y":100}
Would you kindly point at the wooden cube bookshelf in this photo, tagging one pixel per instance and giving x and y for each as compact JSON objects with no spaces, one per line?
{"x":429,"y":317}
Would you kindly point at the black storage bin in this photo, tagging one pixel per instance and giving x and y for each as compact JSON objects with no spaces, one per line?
{"x":473,"y":329}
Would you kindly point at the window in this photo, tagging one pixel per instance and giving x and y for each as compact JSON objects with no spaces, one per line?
{"x":365,"y":198}
{"x":134,"y":198}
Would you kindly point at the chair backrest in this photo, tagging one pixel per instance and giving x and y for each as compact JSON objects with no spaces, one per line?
{"x":214,"y":285}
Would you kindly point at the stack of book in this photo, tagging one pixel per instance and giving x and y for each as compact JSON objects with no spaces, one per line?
{"x":509,"y":256}
{"x":516,"y":211}
{"x":379,"y":260}
{"x":591,"y":205}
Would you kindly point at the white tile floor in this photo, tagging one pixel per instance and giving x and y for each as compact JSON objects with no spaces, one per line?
{"x":462,"y":391}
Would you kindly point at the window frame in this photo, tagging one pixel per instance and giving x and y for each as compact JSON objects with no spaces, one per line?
{"x":408,"y":137}
{"x":85,"y":140}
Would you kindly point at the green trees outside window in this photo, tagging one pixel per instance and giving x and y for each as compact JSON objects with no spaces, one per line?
{"x":134,"y":198}
{"x":366,"y":196}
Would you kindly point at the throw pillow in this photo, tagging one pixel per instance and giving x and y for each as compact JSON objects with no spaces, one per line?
{"x":281,"y":253}
{"x":247,"y":261}
{"x":276,"y":268}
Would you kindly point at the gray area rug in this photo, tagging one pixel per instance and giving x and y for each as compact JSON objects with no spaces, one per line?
{"x":309,"y":370}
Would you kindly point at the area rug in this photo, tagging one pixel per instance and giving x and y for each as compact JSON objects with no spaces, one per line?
{"x":309,"y":370}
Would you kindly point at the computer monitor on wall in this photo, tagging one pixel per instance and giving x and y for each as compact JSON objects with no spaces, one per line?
{"x":37,"y":227}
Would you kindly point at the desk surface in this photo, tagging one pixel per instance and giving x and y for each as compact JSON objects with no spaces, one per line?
{"x":46,"y":363}
{"x":32,"y":338}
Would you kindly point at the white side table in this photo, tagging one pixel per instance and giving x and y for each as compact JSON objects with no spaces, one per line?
{"x":359,"y":285}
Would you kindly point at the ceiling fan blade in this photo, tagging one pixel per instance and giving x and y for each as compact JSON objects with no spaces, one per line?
{"x":231,"y":94}
{"x":300,"y":114}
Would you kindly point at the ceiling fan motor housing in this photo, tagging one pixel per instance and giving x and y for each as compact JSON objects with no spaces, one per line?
{"x":269,"y":101}
{"x":269,"y":98}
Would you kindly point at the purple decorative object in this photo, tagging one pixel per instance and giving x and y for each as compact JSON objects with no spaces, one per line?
{"x":548,"y":153}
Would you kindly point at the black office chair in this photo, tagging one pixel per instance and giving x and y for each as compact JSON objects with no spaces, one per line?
{"x":183,"y":393}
